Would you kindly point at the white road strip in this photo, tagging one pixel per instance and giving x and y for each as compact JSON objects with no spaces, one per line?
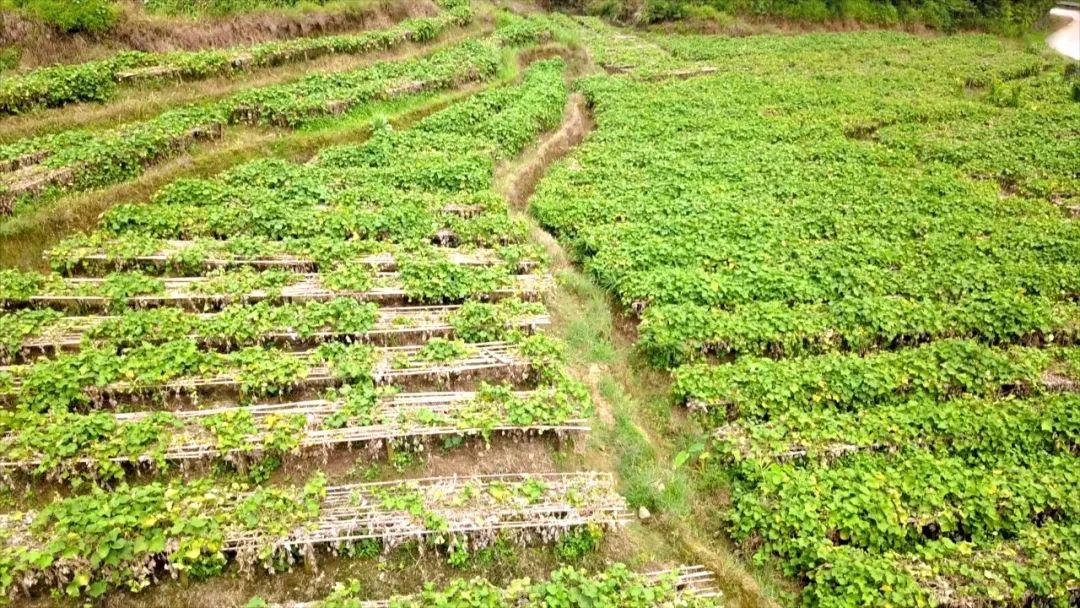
{"x":1066,"y":40}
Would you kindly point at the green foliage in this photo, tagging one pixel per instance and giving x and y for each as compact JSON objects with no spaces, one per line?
{"x":437,"y":279}
{"x":858,"y":271}
{"x":576,"y":545}
{"x":98,"y":80}
{"x":72,"y":16}
{"x":546,"y":354}
{"x":489,"y":322}
{"x":349,"y":362}
{"x":17,"y":326}
{"x":516,"y":31}
{"x":441,"y":350}
{"x":567,"y":586}
{"x":113,"y":535}
{"x":9,"y":58}
{"x":348,"y":277}
{"x":399,"y":194}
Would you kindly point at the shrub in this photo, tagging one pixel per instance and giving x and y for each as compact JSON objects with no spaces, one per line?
{"x":665,"y":10}
{"x":869,"y":11}
{"x":72,"y":16}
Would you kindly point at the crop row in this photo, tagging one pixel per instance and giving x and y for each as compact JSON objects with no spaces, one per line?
{"x":76,"y":160}
{"x":125,"y":536}
{"x":176,"y":371}
{"x":1039,"y":561}
{"x":195,"y":257}
{"x":324,"y":204}
{"x":309,"y":229}
{"x":825,"y":280}
{"x":754,"y":219}
{"x":27,"y":333}
{"x":424,"y":280}
{"x":822,"y":277}
{"x":973,"y":428}
{"x":760,"y":388}
{"x":679,"y":333}
{"x":687,"y":587}
{"x":97,"y":80}
{"x":899,"y":502}
{"x":98,"y":445}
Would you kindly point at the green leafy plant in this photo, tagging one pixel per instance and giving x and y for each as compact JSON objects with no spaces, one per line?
{"x":72,"y":16}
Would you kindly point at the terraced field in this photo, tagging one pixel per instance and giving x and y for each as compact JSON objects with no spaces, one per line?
{"x":815,"y":295}
{"x":39,"y":168}
{"x":857,"y":255}
{"x":183,"y":386}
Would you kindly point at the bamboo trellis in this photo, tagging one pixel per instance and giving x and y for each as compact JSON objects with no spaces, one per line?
{"x":393,"y":365}
{"x":694,"y":581}
{"x":393,"y":326}
{"x":182,"y":292}
{"x":99,"y":260}
{"x":473,"y":508}
{"x":395,"y":417}
{"x":465,"y":506}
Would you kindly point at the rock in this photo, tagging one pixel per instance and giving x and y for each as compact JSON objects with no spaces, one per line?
{"x":643,"y":513}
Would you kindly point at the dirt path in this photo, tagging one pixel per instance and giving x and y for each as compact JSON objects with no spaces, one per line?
{"x":1066,"y":40}
{"x":601,"y":357}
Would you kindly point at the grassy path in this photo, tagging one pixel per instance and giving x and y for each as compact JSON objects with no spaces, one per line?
{"x":632,"y":400}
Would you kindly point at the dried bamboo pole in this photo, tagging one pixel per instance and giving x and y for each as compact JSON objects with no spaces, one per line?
{"x":182,"y":292}
{"x":97,"y":260}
